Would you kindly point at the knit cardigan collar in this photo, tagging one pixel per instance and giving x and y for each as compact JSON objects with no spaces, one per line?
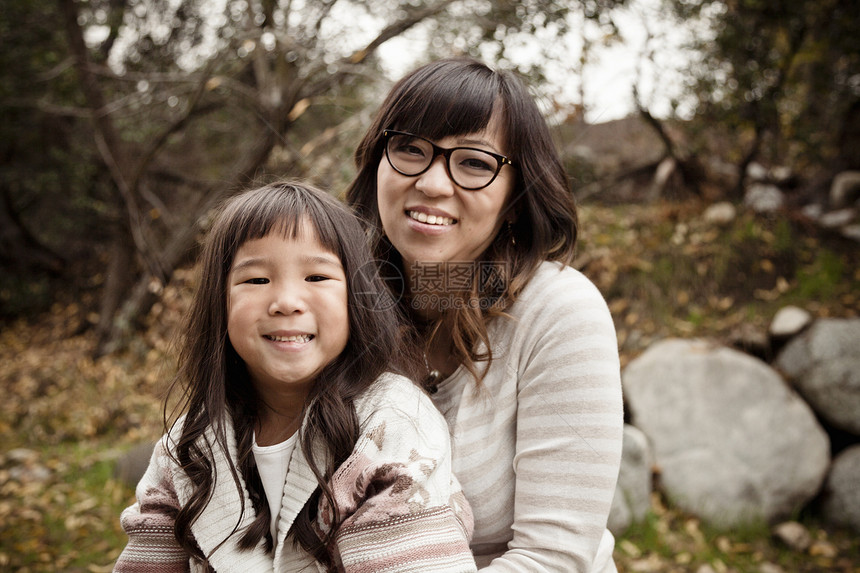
{"x":217,"y":531}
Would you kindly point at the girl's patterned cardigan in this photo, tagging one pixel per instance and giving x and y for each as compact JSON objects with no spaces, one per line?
{"x":404,"y":509}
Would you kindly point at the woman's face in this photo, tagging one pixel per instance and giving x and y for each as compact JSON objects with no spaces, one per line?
{"x":429,"y":218}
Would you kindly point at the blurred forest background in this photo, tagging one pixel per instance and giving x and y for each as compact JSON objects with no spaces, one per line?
{"x":125,"y":121}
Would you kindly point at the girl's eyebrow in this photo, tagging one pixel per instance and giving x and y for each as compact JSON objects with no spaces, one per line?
{"x":322,"y":259}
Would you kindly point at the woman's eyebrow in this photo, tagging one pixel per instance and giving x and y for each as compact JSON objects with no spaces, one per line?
{"x":482,"y":142}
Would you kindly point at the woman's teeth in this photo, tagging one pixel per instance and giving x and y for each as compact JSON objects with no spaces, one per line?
{"x":430,"y":219}
{"x":298,"y":338}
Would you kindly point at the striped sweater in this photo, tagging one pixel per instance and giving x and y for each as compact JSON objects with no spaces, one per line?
{"x":404,"y":509}
{"x":537,"y":446}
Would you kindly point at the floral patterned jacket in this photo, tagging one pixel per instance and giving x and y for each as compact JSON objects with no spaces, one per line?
{"x":404,"y":509}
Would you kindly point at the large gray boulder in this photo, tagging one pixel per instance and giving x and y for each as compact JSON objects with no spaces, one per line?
{"x":823,"y":364}
{"x":841,"y":499}
{"x":633,"y":493}
{"x":732,"y":442}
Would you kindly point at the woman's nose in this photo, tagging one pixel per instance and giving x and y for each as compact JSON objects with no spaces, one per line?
{"x":435,"y":182}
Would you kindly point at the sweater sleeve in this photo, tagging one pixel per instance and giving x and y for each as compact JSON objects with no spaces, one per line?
{"x":148,"y":523}
{"x":403,"y":508}
{"x":569,"y":423}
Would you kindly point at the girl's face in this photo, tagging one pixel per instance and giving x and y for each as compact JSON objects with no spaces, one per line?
{"x":287,"y":312}
{"x":465,"y":221}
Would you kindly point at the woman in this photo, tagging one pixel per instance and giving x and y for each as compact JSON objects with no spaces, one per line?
{"x":467,"y":201}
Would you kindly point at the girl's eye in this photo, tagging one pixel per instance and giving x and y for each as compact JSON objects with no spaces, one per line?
{"x":316,"y":278}
{"x":257,"y":281}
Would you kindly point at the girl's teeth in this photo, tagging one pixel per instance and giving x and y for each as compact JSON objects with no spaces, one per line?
{"x":431,"y":219}
{"x":297,"y":338}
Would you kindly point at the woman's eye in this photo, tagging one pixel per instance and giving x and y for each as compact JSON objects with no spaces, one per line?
{"x":409,"y":149}
{"x":476,"y":164}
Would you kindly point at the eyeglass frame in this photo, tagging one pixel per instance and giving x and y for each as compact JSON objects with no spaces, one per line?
{"x":501,"y":160}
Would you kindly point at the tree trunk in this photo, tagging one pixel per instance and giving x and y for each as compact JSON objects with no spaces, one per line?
{"x":688,"y":166}
{"x":121,"y":270}
{"x":142,"y":296}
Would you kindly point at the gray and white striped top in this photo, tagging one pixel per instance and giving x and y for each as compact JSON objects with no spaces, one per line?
{"x":537,"y":446}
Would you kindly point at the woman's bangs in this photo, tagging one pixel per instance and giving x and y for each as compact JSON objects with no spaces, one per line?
{"x":440,"y":107}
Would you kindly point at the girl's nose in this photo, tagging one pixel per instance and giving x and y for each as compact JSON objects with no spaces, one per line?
{"x":287,"y":300}
{"x":435,"y":182}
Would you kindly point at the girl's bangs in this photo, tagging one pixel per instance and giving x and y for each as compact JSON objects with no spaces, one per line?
{"x":290,"y":214}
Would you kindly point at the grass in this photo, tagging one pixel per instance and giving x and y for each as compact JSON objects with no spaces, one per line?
{"x":65,"y":519}
{"x":669,"y":541}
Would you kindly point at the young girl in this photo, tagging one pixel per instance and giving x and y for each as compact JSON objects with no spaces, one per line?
{"x":297,"y":450}
{"x":464,"y":194}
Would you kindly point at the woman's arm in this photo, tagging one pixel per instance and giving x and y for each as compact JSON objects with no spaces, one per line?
{"x":404,"y":510}
{"x":569,"y":425}
{"x":149,"y":524}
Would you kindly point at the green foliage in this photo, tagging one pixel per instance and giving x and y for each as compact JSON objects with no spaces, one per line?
{"x":48,"y":178}
{"x":778,"y":76}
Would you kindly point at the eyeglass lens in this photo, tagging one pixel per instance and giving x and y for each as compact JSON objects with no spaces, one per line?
{"x":469,"y":168}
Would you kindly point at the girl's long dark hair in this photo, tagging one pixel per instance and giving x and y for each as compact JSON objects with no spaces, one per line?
{"x":460,"y":96}
{"x":215,"y":385}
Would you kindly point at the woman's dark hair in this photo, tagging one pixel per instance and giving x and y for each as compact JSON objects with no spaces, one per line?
{"x":456,"y":97}
{"x":213,"y":381}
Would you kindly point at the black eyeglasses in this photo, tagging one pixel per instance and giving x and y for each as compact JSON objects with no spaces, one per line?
{"x":468,"y":167}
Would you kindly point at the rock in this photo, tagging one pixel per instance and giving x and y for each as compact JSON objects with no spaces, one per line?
{"x":131,"y":466}
{"x":18,"y":456}
{"x":793,"y":535}
{"x":845,"y":189}
{"x":823,"y":364}
{"x":789,"y":321}
{"x":722,"y":213}
{"x":823,"y":548}
{"x":812,"y":211}
{"x":726,"y":432}
{"x":757,"y":171}
{"x":24,"y":467}
{"x":851,"y":232}
{"x":841,"y":497}
{"x":836,"y":219}
{"x":764,"y":198}
{"x":633,"y":493}
{"x":751,"y":340}
{"x":781,"y":175}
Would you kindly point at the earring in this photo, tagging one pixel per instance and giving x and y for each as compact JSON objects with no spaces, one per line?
{"x":510,"y":231}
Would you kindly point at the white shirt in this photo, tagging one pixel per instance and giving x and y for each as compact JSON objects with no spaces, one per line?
{"x":273,"y":463}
